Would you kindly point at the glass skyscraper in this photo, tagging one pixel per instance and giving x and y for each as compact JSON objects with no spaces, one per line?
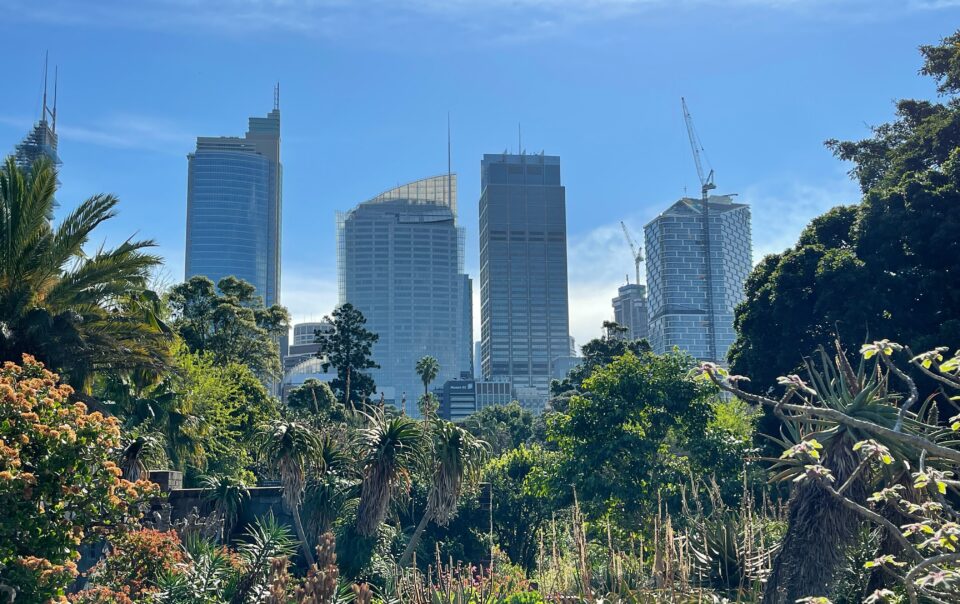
{"x":630,"y":310}
{"x":523,"y":272}
{"x":234,"y":199}
{"x":400,"y":262}
{"x":684,"y":310}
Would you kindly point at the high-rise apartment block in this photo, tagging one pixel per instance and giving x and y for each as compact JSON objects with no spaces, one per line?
{"x":630,"y":310}
{"x":523,"y":272}
{"x":694,"y":282}
{"x":234,"y":199}
{"x":400,"y":262}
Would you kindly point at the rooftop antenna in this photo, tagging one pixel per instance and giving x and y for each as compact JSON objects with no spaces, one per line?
{"x":449,"y":166}
{"x":43,"y":108}
{"x":56,"y":77}
{"x":276,"y":97}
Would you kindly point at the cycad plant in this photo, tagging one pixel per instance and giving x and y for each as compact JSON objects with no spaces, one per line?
{"x":392,"y":448}
{"x":457,"y":458}
{"x":79,"y":311}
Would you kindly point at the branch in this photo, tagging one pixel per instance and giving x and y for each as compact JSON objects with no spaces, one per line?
{"x":923,"y":564}
{"x":944,"y":379}
{"x":842,"y":418}
{"x":914,"y":395}
{"x":856,"y":472}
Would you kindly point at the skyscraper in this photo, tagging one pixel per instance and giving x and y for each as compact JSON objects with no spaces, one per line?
{"x":234,"y":199}
{"x":523,"y":271}
{"x":42,"y":139}
{"x":630,"y":310}
{"x":684,"y":310}
{"x":400,"y":262}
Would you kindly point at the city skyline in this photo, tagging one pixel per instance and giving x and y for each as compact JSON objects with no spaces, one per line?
{"x":604,"y":95}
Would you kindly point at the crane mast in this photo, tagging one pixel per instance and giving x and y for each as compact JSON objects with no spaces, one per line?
{"x":635,"y":249}
{"x":706,"y":185}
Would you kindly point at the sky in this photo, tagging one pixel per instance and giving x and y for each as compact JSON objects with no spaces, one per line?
{"x":366,"y":87}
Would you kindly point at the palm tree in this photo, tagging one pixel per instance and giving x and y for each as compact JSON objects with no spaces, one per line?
{"x":392,"y":448}
{"x":136,"y":453}
{"x":458,"y":457}
{"x":427,"y":368}
{"x":290,"y":445}
{"x":77,"y":312}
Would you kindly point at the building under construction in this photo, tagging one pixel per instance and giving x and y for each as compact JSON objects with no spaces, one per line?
{"x":695,"y":274}
{"x":42,"y":140}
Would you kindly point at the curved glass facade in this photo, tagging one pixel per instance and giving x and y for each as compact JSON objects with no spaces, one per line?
{"x":400,"y":262}
{"x":233,"y":209}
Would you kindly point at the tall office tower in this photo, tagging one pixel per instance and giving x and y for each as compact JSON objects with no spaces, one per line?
{"x":682,"y":263}
{"x":465,"y":336}
{"x":400,"y":262}
{"x":630,"y":310}
{"x":523,"y":271}
{"x":42,"y":140}
{"x":234,"y":199}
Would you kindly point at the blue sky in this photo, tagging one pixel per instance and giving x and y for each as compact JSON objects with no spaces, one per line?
{"x":366,"y":87}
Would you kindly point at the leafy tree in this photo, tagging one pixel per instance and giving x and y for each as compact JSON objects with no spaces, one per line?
{"x":629,"y":435}
{"x":348,"y":348}
{"x":80,"y":313}
{"x":457,"y":459}
{"x":597,"y":353}
{"x":233,"y":325}
{"x":427,"y":368}
{"x":502,"y":427}
{"x":317,"y":399}
{"x":290,"y":447}
{"x":58,"y":488}
{"x":522,"y":499}
{"x":881,"y":266}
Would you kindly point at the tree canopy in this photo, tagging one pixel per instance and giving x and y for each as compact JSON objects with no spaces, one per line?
{"x":348,"y":348}
{"x":886,"y":265}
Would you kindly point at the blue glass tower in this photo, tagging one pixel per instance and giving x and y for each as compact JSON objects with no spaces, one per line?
{"x":234,"y":198}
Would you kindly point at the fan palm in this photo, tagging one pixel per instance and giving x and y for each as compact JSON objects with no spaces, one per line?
{"x":427,"y":368}
{"x":458,"y":457}
{"x":392,"y":448}
{"x":79,"y":313}
{"x":290,"y":446}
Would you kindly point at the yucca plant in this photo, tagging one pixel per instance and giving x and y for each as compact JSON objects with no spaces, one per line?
{"x":227,"y":494}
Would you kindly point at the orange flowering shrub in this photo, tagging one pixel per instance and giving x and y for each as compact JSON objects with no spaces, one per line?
{"x":58,"y":487}
{"x":138,"y":559}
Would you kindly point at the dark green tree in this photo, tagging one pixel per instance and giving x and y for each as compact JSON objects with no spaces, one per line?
{"x":503,"y":427}
{"x":317,"y":400}
{"x":632,"y":434}
{"x":348,"y":348}
{"x":232,"y":324}
{"x":884,"y":266}
{"x":597,"y":353}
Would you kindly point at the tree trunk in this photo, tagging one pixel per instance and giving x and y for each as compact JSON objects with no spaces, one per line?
{"x":415,"y":538}
{"x":819,"y":531}
{"x":346,"y":391}
{"x":301,"y":535}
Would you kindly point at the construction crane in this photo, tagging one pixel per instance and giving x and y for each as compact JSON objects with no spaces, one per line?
{"x":706,"y":185}
{"x":636,"y":250}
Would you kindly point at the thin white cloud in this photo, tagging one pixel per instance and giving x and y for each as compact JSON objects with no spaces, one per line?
{"x":308,"y":296}
{"x":120,"y":131}
{"x":509,"y":21}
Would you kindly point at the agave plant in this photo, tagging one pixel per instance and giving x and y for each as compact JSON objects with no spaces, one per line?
{"x":227,"y":494}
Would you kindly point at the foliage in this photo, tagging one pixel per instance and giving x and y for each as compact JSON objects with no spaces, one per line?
{"x":317,"y":400}
{"x":348,"y":348}
{"x":876,"y":267}
{"x":598,"y":352}
{"x":522,"y":502}
{"x":633,"y":433}
{"x":77,"y":312}
{"x":232,"y":325}
{"x":503,"y":427}
{"x":427,"y":368}
{"x":137,"y":559}
{"x":58,"y":488}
